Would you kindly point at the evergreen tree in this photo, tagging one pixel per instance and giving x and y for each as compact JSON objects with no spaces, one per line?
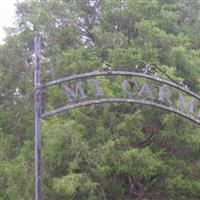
{"x":110,"y":151}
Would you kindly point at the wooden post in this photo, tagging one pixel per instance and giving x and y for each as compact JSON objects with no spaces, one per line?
{"x":38,"y":194}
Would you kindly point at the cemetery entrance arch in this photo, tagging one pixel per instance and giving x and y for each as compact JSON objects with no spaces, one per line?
{"x":144,"y":85}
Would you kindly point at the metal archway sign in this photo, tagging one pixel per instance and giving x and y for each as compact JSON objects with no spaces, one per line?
{"x":142,"y":86}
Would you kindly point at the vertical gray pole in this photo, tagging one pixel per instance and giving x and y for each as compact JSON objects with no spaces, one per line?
{"x":38,"y":194}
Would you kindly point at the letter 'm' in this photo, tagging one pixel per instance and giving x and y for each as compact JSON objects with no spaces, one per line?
{"x":79,"y":93}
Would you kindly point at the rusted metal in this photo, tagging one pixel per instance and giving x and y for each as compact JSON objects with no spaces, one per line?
{"x":120,"y":100}
{"x":38,"y":194}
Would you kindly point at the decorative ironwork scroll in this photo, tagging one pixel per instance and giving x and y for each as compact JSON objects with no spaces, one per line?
{"x":145,"y":85}
{"x":148,"y":90}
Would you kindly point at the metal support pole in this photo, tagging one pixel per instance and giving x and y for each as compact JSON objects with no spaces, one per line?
{"x":38,"y":194}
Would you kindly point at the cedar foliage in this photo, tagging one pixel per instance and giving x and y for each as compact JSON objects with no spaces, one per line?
{"x":104,"y":152}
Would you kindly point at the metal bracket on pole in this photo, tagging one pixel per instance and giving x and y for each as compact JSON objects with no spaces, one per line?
{"x":37,"y":55}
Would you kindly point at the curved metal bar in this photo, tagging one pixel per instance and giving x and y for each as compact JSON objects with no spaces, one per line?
{"x":120,"y":100}
{"x":124,"y":73}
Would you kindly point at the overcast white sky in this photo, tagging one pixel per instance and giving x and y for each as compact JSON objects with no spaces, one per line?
{"x":7,"y":13}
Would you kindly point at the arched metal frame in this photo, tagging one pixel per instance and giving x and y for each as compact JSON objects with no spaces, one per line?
{"x":38,"y":104}
{"x":120,"y":100}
